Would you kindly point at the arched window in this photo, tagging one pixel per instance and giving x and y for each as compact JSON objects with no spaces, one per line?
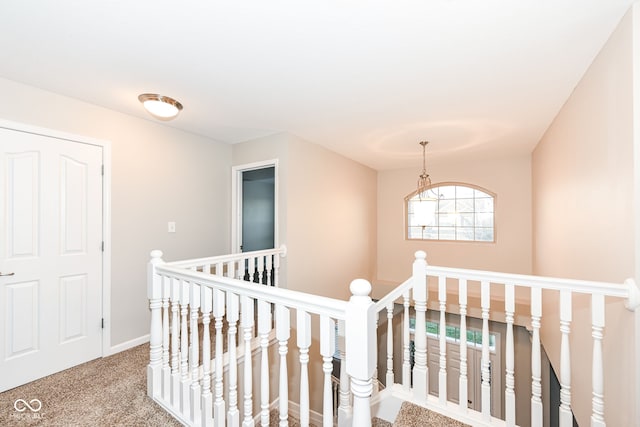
{"x":451,"y":211}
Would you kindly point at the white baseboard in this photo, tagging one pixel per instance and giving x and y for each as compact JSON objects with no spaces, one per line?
{"x":128,"y":344}
{"x":314,"y":417}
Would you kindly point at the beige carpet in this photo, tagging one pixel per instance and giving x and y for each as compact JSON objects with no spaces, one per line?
{"x":411,"y":415}
{"x":112,"y":392}
{"x":103,"y":392}
{"x":92,"y":394}
{"x":377,"y":422}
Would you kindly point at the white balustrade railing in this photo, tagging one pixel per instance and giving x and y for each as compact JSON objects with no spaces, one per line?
{"x":202,"y":383}
{"x":257,"y":266}
{"x":199,"y":382}
{"x":415,"y":380}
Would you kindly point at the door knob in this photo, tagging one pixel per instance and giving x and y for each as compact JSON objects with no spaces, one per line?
{"x":7,"y":274}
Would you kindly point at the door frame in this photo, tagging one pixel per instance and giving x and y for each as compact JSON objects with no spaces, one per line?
{"x":106,"y":213}
{"x":236,"y":200}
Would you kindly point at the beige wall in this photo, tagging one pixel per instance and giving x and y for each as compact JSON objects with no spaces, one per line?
{"x":159,"y":174}
{"x":635,"y":10}
{"x":583,"y":220}
{"x":508,"y":177}
{"x":327,"y":213}
{"x":331,"y":220}
{"x":327,"y":219}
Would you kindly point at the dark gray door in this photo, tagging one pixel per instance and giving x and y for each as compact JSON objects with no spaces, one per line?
{"x":258,"y":209}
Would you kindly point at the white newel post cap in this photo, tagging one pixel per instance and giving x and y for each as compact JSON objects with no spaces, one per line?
{"x":154,"y":289}
{"x":360,"y":288}
{"x":156,"y":255}
{"x":421,"y":255}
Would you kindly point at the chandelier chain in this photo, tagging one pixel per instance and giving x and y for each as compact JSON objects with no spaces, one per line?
{"x":424,"y":181}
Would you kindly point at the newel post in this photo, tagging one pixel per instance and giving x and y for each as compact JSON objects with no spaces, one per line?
{"x":361,"y":349}
{"x":154,"y":292}
{"x":420,"y":296}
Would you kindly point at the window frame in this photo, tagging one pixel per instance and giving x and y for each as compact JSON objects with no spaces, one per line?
{"x":450,"y":184}
{"x":475,"y":332}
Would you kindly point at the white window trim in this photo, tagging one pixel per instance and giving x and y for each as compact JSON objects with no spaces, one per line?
{"x":459,"y":184}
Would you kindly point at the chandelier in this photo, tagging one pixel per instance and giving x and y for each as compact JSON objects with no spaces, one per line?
{"x":424,"y":181}
{"x":425,"y":203}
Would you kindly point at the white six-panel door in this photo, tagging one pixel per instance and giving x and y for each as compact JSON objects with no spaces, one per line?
{"x":50,"y":255}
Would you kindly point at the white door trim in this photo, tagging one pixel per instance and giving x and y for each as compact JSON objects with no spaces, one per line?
{"x":106,"y":213}
{"x":236,"y":200}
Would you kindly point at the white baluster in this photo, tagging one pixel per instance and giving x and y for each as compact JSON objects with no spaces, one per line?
{"x":233,"y":414}
{"x":362,"y":347}
{"x":231,"y":270}
{"x":344,"y":408}
{"x":327,"y":349}
{"x":463,"y":392}
{"x":242,"y":268}
{"x":175,"y":349}
{"x":184,"y":349}
{"x":238,"y":268}
{"x":276,"y":271}
{"x":154,"y":292}
{"x":220,"y":269}
{"x":282,"y":335}
{"x":206,"y":397}
{"x":304,"y":342}
{"x":268,"y":268}
{"x":509,"y":392}
{"x":406,"y":341}
{"x":166,"y":369}
{"x":264,"y":327}
{"x":486,"y":373}
{"x":374,"y":382}
{"x":247,"y":329}
{"x":389,"y":380}
{"x":218,"y":314}
{"x":566,"y":416}
{"x":420,"y":296}
{"x":597,"y":322}
{"x":442,"y":373}
{"x":536,"y":371}
{"x":194,"y":362}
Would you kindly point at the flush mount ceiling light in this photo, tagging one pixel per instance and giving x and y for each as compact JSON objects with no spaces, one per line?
{"x":159,"y":106}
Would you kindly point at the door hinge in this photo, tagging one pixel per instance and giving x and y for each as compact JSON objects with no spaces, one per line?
{"x":102,"y":246}
{"x":102,"y":170}
{"x":102,"y":324}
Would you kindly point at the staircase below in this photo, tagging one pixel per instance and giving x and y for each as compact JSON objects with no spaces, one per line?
{"x":411,"y":415}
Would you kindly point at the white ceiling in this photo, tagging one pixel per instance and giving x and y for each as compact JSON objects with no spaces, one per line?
{"x":367,"y":79}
